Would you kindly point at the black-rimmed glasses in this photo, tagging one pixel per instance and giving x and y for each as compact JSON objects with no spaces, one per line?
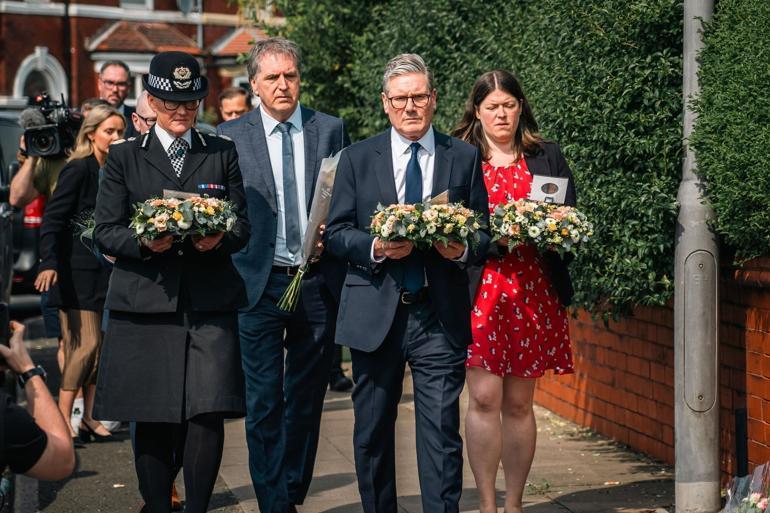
{"x":172,"y":106}
{"x":111,"y":84}
{"x":147,"y":121}
{"x":400,"y":102}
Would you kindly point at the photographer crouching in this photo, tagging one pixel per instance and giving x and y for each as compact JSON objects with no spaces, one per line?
{"x":35,"y":442}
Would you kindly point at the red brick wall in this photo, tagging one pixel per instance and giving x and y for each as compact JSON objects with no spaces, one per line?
{"x":623,"y":386}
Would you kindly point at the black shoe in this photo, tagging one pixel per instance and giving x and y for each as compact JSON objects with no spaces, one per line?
{"x":340,"y":383}
{"x":89,"y":434}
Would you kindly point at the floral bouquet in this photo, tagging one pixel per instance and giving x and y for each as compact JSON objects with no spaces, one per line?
{"x":547,"y":226}
{"x":159,"y":217}
{"x":451,"y":222}
{"x":754,"y":503}
{"x":425,"y":224}
{"x":399,"y":223}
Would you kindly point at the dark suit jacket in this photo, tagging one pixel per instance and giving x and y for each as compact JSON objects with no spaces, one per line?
{"x":549,"y":161}
{"x":147,"y":282}
{"x":61,"y":248}
{"x":324,"y":136}
{"x":370,"y":295}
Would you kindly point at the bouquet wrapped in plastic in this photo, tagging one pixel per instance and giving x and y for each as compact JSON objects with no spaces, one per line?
{"x":547,"y":226}
{"x":319,"y":211}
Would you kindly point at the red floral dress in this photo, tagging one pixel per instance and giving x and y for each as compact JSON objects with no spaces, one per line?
{"x":519,"y":326}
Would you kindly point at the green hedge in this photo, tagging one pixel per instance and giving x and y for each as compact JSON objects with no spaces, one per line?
{"x":732,"y":134}
{"x":604,"y":79}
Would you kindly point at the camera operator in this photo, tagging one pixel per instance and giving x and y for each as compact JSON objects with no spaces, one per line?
{"x":36,"y":443}
{"x":49,"y":129}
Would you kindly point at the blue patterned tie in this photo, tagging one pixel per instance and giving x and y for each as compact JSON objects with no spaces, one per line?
{"x":414,"y":269}
{"x":290,"y":198}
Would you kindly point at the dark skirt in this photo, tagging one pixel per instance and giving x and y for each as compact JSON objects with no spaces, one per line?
{"x":170,"y":367}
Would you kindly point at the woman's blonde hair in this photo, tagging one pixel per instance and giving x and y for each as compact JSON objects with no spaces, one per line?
{"x":95,"y":117}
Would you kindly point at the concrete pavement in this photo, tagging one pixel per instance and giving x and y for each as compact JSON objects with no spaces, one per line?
{"x":574,"y":470}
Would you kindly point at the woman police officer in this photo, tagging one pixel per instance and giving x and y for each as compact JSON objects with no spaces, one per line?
{"x":171,"y":360}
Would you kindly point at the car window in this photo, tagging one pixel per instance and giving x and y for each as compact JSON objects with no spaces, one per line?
{"x":10,"y":131}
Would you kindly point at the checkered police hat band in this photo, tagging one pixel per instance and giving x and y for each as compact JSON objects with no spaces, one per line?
{"x":164,"y":84}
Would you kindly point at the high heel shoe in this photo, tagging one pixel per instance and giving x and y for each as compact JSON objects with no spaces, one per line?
{"x":89,"y":433}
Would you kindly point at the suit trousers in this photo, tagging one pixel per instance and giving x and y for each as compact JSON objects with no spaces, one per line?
{"x":286,"y":359}
{"x":438,"y":373}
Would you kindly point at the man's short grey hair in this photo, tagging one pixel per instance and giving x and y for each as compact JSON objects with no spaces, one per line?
{"x":272,"y":45}
{"x":405,"y":64}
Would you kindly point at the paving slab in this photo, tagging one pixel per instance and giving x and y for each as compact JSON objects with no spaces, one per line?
{"x":575,"y":470}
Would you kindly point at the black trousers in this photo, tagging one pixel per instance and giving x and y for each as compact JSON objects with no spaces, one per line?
{"x":198,"y":440}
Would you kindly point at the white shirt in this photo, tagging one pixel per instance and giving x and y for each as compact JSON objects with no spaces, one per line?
{"x":401,"y":153}
{"x":166,"y":138}
{"x":274,"y":141}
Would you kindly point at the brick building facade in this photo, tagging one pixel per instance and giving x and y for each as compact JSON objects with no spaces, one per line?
{"x":59,"y":47}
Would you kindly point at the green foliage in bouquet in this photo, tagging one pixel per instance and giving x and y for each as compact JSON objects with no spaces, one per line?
{"x":732,"y":132}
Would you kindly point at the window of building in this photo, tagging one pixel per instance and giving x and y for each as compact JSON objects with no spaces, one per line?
{"x":40,"y":72}
{"x":137,"y":4}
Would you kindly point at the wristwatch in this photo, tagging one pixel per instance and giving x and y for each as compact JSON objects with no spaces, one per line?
{"x":26,"y":376}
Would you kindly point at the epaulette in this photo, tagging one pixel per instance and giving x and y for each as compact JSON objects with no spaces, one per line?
{"x":200,"y":137}
{"x":119,"y":141}
{"x":223,"y":136}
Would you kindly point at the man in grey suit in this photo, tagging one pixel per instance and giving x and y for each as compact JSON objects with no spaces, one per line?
{"x":400,"y":304}
{"x":280,"y":145}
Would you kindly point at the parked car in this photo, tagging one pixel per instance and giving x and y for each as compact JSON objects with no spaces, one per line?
{"x":27,"y":220}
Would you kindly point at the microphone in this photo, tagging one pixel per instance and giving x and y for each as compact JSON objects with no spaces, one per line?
{"x":31,"y":117}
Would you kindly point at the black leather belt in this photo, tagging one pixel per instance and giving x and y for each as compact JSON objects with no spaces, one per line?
{"x":410,"y":298}
{"x":287,"y":270}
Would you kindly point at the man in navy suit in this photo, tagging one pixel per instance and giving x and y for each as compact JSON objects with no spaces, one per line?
{"x":402,"y":305}
{"x":280,"y":147}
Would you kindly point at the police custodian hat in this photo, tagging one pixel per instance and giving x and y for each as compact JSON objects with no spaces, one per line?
{"x":175,"y":76}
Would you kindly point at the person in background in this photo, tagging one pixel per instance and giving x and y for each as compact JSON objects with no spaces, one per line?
{"x":77,"y":281}
{"x":519,"y":320}
{"x":401,"y":304}
{"x":143,"y":118}
{"x":234,"y":102}
{"x":113,"y":85}
{"x":90,"y":103}
{"x":35,"y":442}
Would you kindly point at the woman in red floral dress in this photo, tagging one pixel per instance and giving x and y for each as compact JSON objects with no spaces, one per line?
{"x":519,"y":321}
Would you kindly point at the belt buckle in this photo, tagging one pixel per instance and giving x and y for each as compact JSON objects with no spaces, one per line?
{"x":291,"y":270}
{"x":408,"y":298}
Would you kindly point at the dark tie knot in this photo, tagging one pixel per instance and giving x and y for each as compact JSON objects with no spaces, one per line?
{"x":284,"y":128}
{"x":415,"y":147}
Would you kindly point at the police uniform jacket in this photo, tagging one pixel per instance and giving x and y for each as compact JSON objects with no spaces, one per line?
{"x":171,"y":348}
{"x":147,"y":282}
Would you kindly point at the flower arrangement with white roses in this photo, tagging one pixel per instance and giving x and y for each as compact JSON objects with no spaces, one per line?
{"x":547,"y":226}
{"x":158,"y":217}
{"x":424,"y":224}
